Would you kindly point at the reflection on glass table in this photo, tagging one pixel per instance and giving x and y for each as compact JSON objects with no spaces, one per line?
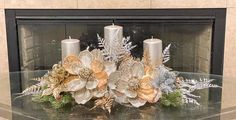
{"x":209,"y":108}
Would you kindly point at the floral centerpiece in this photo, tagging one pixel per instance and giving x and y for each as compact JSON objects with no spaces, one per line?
{"x":111,"y":75}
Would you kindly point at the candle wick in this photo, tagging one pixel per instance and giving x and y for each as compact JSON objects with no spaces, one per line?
{"x":69,"y":37}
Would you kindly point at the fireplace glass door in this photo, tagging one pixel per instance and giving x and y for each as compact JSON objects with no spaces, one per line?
{"x":191,"y":40}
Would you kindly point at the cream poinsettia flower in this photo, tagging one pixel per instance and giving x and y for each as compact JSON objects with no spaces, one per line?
{"x":93,"y":73}
{"x":130,"y":85}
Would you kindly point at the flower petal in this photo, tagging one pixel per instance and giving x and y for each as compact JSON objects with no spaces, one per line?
{"x":151,"y":95}
{"x":113,"y":79}
{"x":75,"y":84}
{"x":137,"y":102}
{"x":91,"y":84}
{"x":158,"y":96}
{"x":126,"y":73}
{"x":126,"y":63}
{"x":70,"y":62}
{"x":146,"y":83}
{"x":47,"y":91}
{"x":102,"y":78}
{"x":76,"y":68}
{"x":110,"y":67}
{"x":57,"y":91}
{"x":150,"y":71}
{"x":97,"y":54}
{"x":97,"y":66}
{"x":100,"y":92}
{"x":86,"y":58}
{"x":131,"y":93}
{"x":121,"y":86}
{"x":82,"y":96}
{"x":119,"y":97}
{"x":138,"y":70}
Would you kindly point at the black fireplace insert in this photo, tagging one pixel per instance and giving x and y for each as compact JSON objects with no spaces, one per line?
{"x":197,"y":35}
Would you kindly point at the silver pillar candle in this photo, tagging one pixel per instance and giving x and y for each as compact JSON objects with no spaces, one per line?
{"x":153,"y":47}
{"x":113,"y":35}
{"x":70,"y":47}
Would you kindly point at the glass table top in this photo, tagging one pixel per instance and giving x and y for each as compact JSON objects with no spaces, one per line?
{"x":210,"y":105}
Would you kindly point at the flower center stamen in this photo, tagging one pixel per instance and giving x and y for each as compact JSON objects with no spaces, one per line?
{"x":86,"y":74}
{"x":134,"y":83}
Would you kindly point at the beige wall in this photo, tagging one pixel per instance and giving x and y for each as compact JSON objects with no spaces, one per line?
{"x":230,"y":41}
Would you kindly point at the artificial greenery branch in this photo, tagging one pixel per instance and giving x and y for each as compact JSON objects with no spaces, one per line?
{"x":173,"y":99}
{"x":56,"y":103}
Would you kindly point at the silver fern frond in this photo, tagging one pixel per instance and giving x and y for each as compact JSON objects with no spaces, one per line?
{"x":188,"y":86}
{"x":115,"y":52}
{"x":166,"y":54}
{"x":192,"y":84}
{"x":127,"y":46}
{"x":40,"y":79}
{"x":100,"y":41}
{"x":37,"y":79}
{"x":32,"y":90}
{"x":188,"y":100}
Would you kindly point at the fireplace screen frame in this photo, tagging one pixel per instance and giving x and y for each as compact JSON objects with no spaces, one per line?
{"x":15,"y":16}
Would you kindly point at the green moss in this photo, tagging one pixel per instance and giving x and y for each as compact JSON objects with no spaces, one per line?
{"x":173,"y":99}
{"x":65,"y":99}
{"x":41,"y":99}
{"x":57,"y":104}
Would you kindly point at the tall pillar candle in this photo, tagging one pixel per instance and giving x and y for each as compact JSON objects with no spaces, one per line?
{"x":113,"y":35}
{"x":153,"y":47}
{"x":70,"y":47}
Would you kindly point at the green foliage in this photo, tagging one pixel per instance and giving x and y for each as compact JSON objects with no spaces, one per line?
{"x":42,"y":99}
{"x":44,"y":87}
{"x":172,"y":99}
{"x":66,"y":98}
{"x":57,"y":104}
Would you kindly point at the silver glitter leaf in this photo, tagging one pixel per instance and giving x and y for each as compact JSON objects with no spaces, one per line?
{"x":188,"y":86}
{"x":165,"y":80}
{"x":166,"y":54}
{"x":115,"y":53}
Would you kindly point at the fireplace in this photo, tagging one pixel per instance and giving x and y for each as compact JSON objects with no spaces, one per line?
{"x":196,"y":35}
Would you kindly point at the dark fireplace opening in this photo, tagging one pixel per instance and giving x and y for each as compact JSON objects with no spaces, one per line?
{"x":190,"y":51}
{"x":196,"y":35}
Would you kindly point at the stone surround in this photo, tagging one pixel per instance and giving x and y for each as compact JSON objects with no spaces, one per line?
{"x":230,"y":39}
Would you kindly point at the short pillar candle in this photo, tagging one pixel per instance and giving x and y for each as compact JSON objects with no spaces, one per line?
{"x":153,"y":47}
{"x":113,"y":36}
{"x":70,"y":47}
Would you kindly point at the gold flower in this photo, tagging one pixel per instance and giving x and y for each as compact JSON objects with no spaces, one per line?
{"x":87,"y":79}
{"x":131,"y":85}
{"x":54,"y":80}
{"x":105,"y":103}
